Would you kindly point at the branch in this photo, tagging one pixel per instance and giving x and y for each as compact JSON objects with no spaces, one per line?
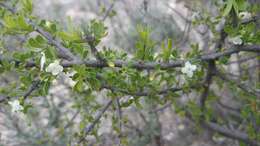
{"x":234,"y":134}
{"x":143,"y":93}
{"x":230,"y":133}
{"x":63,"y":51}
{"x":140,"y":65}
{"x":89,"y":128}
{"x":232,"y":50}
{"x":207,"y":82}
{"x":35,"y":85}
{"x":71,"y":120}
{"x":108,"y":11}
{"x":238,"y":84}
{"x":7,"y":7}
{"x":120,"y":121}
{"x":160,"y":109}
{"x":132,"y":64}
{"x":243,"y":59}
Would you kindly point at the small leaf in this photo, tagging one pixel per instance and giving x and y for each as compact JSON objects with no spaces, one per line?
{"x":111,"y":64}
{"x":27,"y":6}
{"x":79,"y":86}
{"x":228,"y":7}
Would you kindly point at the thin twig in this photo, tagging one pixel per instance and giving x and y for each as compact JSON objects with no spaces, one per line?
{"x":119,"y":112}
{"x":234,"y":134}
{"x":90,"y":127}
{"x":108,"y":11}
{"x":243,"y":59}
{"x":207,"y":82}
{"x":160,"y":109}
{"x":71,"y":120}
{"x":35,"y":85}
{"x":238,"y":84}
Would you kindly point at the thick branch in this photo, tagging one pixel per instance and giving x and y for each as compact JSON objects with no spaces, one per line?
{"x":131,"y":64}
{"x":63,"y":51}
{"x":143,"y":93}
{"x":151,"y":65}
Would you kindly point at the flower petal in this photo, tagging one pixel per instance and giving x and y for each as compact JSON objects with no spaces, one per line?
{"x":55,"y":68}
{"x":43,"y":60}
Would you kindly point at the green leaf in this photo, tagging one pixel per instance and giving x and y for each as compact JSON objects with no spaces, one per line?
{"x":22,"y":56}
{"x":169,"y":44}
{"x":228,"y":7}
{"x":96,"y":29}
{"x":167,"y":52}
{"x":144,"y":45}
{"x":79,"y":86}
{"x":69,"y":36}
{"x":51,"y":53}
{"x":9,"y":21}
{"x":27,"y":107}
{"x":224,"y":60}
{"x":37,"y":42}
{"x":27,"y":6}
{"x":242,"y":5}
{"x":16,"y":24}
{"x":236,"y":8}
{"x":45,"y":87}
{"x":79,"y":49}
{"x":137,"y":103}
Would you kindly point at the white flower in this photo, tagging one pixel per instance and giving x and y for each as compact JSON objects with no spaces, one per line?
{"x":43,"y":60}
{"x":236,"y":40}
{"x":188,"y":69}
{"x":55,"y":68}
{"x":245,"y":16}
{"x":16,"y":106}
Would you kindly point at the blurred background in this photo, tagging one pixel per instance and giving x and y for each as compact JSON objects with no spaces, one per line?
{"x":53,"y":120}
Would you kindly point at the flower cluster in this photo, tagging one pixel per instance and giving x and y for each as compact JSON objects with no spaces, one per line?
{"x":188,"y":69}
{"x":55,"y":68}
